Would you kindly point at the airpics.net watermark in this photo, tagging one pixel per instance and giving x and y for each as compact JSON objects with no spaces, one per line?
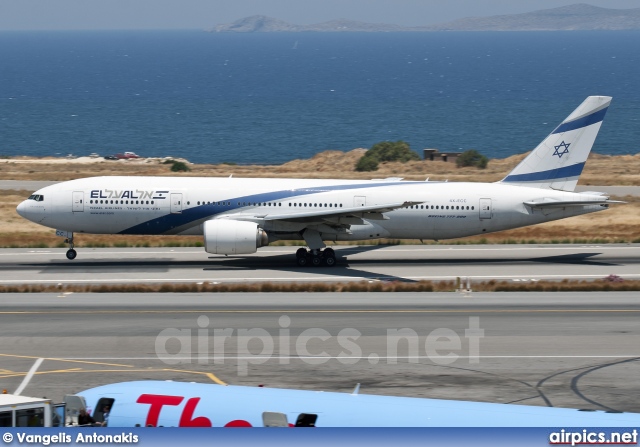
{"x":246,"y":347}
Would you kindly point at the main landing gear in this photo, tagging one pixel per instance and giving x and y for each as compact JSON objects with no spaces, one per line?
{"x":71,"y":253}
{"x":316,"y":258}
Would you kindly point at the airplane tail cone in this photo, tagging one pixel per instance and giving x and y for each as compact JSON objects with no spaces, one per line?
{"x":558,"y":161}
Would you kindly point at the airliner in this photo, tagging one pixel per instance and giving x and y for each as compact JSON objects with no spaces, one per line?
{"x":180,"y":404}
{"x":237,"y":216}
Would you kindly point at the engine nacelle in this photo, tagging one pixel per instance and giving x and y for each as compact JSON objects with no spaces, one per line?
{"x":233,"y":237}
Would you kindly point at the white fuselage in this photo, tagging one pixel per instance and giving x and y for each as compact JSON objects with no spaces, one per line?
{"x":171,"y":205}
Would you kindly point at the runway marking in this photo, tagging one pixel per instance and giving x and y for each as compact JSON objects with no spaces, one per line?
{"x":215,"y":379}
{"x":329,"y":357}
{"x":209,"y":375}
{"x":62,"y":360}
{"x":28,"y":377}
{"x":92,"y":363}
{"x":39,"y":373}
{"x":303,"y":311}
{"x":81,"y":371}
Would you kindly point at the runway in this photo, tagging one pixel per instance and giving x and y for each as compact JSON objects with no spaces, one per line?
{"x":277,"y":264}
{"x":577,"y":350}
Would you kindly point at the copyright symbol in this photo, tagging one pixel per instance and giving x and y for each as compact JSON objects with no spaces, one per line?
{"x":7,"y":437}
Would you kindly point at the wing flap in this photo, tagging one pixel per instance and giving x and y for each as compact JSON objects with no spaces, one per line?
{"x":373,"y":212}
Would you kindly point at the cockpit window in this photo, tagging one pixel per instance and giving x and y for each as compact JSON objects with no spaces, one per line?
{"x":36,"y":197}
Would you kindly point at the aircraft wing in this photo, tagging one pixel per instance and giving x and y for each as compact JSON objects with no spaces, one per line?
{"x":373,"y":212}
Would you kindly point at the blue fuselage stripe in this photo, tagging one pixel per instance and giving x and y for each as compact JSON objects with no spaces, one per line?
{"x":551,"y":174}
{"x":585,"y":121}
{"x":168,"y":222}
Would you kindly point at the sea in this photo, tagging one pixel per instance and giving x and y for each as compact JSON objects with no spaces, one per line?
{"x":273,"y":97}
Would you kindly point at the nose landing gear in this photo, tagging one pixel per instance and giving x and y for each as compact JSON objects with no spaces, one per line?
{"x":71,"y":253}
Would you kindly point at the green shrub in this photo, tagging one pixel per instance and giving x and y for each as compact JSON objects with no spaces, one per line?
{"x":386,"y":151}
{"x":472,"y":158}
{"x":179,"y":166}
{"x":366,"y":164}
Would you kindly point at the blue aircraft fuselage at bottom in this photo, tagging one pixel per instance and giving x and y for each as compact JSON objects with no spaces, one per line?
{"x":173,"y":404}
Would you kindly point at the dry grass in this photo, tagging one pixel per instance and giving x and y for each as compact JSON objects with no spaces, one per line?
{"x":600,"y":170}
{"x":355,"y":286}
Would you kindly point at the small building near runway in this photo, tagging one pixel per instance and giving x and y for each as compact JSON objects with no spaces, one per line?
{"x":436,"y":155}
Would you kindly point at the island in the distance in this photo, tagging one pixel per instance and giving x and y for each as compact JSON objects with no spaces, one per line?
{"x":566,"y":18}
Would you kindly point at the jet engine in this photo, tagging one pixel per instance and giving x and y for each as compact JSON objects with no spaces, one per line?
{"x":233,"y":237}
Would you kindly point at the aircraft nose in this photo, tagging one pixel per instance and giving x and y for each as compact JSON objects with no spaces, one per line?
{"x":22,"y":208}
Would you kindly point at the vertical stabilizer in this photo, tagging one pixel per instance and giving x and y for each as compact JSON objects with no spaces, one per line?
{"x":558,"y":161}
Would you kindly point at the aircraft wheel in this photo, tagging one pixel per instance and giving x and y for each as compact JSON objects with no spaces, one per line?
{"x":329,"y":252}
{"x":71,"y":254}
{"x":329,"y":261}
{"x":301,"y":253}
{"x":302,"y":261}
{"x":316,"y":261}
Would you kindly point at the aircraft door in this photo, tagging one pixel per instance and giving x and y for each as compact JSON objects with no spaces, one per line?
{"x":485,"y":209}
{"x":273,"y":419}
{"x":78,"y":199}
{"x":176,"y":203}
{"x":359,"y":201}
{"x":72,"y":406}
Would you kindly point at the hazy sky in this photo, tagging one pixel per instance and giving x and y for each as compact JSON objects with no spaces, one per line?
{"x":172,"y":14}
